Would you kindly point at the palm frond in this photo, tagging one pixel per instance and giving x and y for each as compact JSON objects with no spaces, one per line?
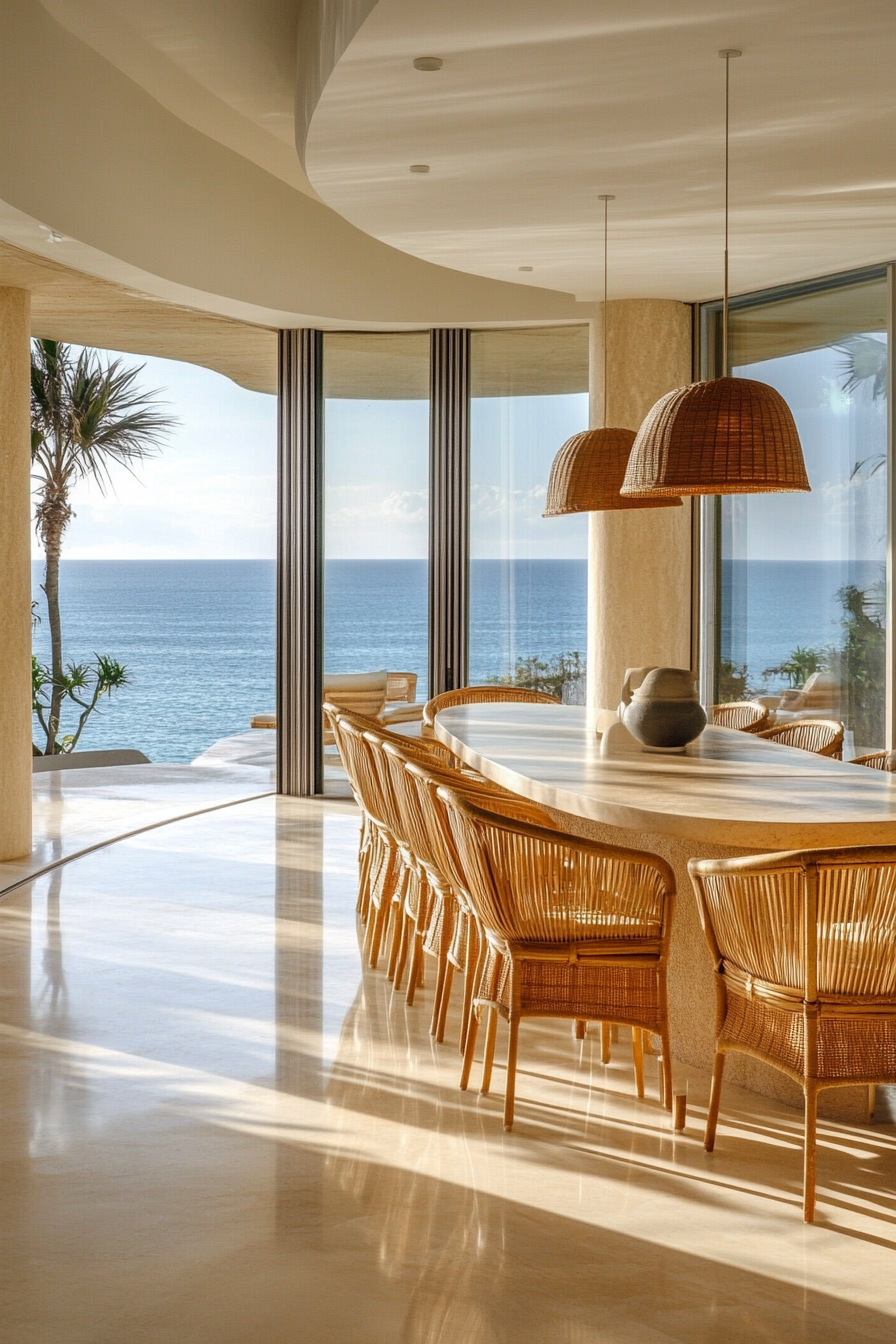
{"x":864,"y":358}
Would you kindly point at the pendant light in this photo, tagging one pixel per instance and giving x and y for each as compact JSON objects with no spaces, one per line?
{"x":728,"y":436}
{"x":588,"y":470}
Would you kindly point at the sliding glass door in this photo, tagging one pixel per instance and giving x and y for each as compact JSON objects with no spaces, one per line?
{"x":376,"y":504}
{"x":528,"y":574}
{"x":801,"y":579}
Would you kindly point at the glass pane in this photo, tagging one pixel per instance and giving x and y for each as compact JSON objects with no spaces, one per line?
{"x":528,"y":574}
{"x":171,"y":573}
{"x":376,"y":508}
{"x":803,"y":577}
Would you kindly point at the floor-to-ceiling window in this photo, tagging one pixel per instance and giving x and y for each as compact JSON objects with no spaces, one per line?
{"x":376,"y":502}
{"x":801,"y":579}
{"x":528,"y":574}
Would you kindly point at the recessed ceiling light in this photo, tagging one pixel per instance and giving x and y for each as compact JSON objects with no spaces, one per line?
{"x":419,"y":167}
{"x":527,"y":268}
{"x":428,"y":63}
{"x":52,"y":235}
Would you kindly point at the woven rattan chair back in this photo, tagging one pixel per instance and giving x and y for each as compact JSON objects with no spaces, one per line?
{"x":401,"y":687}
{"x":823,"y":736}
{"x":877,"y":760}
{"x":806,"y":969}
{"x":572,"y":928}
{"x":748,"y":716}
{"x":361,"y":692}
{"x":413,"y":787}
{"x":483,"y":695}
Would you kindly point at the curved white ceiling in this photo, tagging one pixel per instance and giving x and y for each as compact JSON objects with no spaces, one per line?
{"x":114,"y":155}
{"x":542,"y":105}
{"x":225,"y":67}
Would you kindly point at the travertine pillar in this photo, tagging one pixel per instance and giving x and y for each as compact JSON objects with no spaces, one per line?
{"x":639,"y":560}
{"x":15,"y":574}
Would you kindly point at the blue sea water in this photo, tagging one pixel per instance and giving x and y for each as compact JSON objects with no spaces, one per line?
{"x":769,"y":607}
{"x":197,"y":636}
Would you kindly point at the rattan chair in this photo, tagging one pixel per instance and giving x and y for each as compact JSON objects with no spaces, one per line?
{"x":824,"y":737}
{"x":480,"y":695}
{"x":571,"y":928}
{"x":453,"y":936}
{"x":381,"y":872}
{"x":877,"y":760}
{"x":805,"y":958}
{"x":748,"y":716}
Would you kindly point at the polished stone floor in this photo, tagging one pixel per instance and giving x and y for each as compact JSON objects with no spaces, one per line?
{"x":215,"y":1129}
{"x":76,"y":810}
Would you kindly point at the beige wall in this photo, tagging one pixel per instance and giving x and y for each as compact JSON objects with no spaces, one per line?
{"x":639,"y":560}
{"x":15,"y":569}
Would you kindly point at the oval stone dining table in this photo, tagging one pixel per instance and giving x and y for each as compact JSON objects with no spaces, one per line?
{"x":729,"y":794}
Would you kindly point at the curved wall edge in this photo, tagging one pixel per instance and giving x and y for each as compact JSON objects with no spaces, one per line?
{"x":326,"y":27}
{"x":86,"y":151}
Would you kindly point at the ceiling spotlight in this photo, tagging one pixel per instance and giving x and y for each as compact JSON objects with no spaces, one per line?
{"x":525,"y":268}
{"x":419,"y":167}
{"x":428,"y":63}
{"x":52,"y":235}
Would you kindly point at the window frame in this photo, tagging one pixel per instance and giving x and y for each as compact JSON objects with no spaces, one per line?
{"x":706,"y":611}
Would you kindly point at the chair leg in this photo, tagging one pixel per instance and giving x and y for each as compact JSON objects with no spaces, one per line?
{"x":605,"y":1054}
{"x":715,"y":1097}
{"x":442,"y":978}
{"x":444,"y":1002}
{"x":638,"y":1060}
{"x":469,"y":1047}
{"x":376,"y":936}
{"x":510,"y":1093}
{"x":407,"y":927}
{"x":809,"y":1147}
{"x":667,"y":1074}
{"x":414,"y":974}
{"x":397,"y":912}
{"x":472,"y":963}
{"x":580,"y":1028}
{"x":489,"y":1057}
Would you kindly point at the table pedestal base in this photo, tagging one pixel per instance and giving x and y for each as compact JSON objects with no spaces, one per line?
{"x":692,"y":1000}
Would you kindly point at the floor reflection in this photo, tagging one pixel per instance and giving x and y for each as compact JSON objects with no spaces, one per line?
{"x":215,"y":1127}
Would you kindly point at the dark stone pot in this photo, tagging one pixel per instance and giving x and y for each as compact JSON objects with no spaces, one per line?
{"x":664,"y":711}
{"x":665,"y":723}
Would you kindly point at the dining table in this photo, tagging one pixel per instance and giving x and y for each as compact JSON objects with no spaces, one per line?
{"x":727,"y":794}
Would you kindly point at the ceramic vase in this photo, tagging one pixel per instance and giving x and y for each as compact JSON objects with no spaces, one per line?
{"x":664,"y":711}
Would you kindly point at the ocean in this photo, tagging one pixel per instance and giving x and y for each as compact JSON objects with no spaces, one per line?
{"x":197,"y":636}
{"x":769,"y":607}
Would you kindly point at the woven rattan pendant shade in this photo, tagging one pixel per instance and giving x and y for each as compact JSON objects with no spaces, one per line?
{"x":729,"y":436}
{"x":588,"y":471}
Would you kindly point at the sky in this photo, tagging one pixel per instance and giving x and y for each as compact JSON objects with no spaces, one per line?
{"x":211,"y":491}
{"x":844,"y":516}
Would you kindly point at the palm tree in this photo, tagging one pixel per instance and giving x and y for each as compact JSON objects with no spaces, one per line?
{"x":86,"y":417}
{"x":865,"y":361}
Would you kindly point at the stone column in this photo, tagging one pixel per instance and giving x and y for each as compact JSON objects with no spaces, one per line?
{"x":639,"y":560}
{"x":15,"y":574}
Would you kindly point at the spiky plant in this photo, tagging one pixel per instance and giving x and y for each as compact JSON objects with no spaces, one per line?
{"x":87,"y":416}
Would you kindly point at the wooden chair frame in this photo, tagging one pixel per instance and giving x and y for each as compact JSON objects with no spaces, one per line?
{"x":824,"y":737}
{"x":805,"y":959}
{"x":561,"y":888}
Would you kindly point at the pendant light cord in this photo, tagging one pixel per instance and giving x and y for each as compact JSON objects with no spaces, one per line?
{"x":606,"y":200}
{"x":727,"y":54}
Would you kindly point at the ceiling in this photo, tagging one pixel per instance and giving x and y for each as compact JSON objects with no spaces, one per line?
{"x":67,"y":305}
{"x":542,"y":105}
{"x":226,"y":67}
